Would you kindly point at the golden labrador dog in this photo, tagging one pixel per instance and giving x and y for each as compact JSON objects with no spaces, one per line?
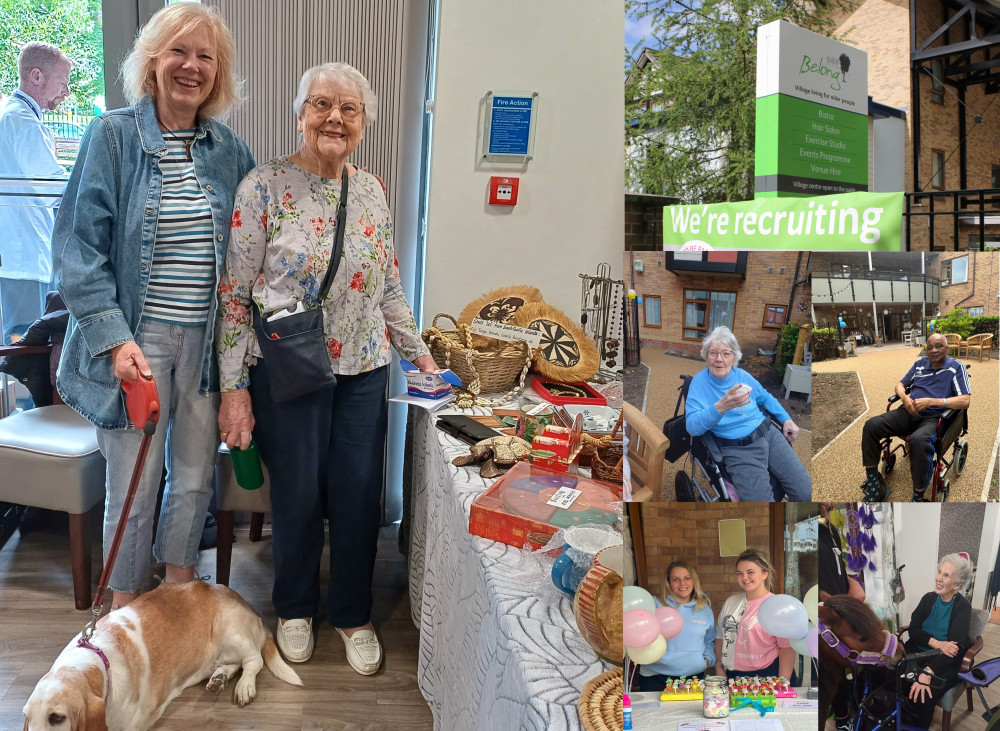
{"x":166,"y":640}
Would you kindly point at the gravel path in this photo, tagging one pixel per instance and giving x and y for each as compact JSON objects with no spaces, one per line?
{"x":661,"y":398}
{"x":838,"y":472}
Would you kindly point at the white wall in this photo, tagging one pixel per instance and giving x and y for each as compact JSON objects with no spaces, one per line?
{"x":917,"y":529}
{"x":988,"y":546}
{"x":570,"y":211}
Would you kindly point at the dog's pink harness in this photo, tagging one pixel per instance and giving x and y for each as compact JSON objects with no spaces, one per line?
{"x":104,"y":658}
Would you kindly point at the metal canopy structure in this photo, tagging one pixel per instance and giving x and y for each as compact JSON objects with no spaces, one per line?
{"x":967,"y":42}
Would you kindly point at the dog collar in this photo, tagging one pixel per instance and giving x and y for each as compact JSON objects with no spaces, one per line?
{"x":104,"y":658}
{"x":860,"y":658}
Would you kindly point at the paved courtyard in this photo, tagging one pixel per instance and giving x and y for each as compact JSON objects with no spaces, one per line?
{"x":838,"y":471}
{"x":661,"y":397}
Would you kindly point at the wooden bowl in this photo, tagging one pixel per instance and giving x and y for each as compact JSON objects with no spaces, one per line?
{"x":597,"y":607}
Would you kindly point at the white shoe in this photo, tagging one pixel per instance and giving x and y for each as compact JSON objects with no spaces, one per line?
{"x":295,"y":639}
{"x":364,"y":652}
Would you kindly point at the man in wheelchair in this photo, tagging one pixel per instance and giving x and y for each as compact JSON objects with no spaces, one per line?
{"x":934,"y":385}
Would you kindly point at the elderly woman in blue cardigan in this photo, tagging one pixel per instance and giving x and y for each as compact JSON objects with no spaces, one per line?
{"x":728,"y":402}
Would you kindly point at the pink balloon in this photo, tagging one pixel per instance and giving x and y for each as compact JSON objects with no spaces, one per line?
{"x":640,"y":628}
{"x":812,"y":639}
{"x":670,"y":622}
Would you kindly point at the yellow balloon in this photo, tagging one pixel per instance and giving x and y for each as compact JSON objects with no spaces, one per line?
{"x":631,"y":294}
{"x":650,"y":653}
{"x":811,"y":602}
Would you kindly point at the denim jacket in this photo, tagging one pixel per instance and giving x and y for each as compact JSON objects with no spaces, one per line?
{"x":103,"y":246}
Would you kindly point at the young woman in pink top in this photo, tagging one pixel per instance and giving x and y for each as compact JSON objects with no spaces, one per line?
{"x":742,"y":646}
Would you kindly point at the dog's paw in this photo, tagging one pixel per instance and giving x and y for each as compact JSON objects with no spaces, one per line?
{"x":216,"y":683}
{"x":244,"y":692}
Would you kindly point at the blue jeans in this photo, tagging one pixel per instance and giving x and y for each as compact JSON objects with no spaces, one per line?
{"x":751,"y":467}
{"x":325,"y":454}
{"x":186,"y":440}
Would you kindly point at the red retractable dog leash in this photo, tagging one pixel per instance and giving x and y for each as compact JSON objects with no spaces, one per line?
{"x":142,"y":403}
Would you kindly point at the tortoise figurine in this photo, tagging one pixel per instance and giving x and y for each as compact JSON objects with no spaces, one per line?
{"x":496,"y":454}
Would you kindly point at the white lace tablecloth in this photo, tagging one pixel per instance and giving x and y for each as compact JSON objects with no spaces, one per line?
{"x":648,"y":717}
{"x":499,"y":647}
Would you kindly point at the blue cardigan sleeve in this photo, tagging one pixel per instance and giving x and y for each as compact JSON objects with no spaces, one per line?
{"x":700,"y":413}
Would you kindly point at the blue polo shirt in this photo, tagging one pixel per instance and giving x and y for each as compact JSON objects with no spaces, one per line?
{"x":926,"y":382}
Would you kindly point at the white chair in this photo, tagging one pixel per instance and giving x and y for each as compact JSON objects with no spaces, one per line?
{"x":799,"y":380}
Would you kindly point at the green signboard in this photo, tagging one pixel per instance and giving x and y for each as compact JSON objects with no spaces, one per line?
{"x":859,"y":221}
{"x":810,"y":149}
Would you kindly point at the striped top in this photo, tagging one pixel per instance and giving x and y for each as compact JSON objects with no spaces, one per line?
{"x":182,"y":278}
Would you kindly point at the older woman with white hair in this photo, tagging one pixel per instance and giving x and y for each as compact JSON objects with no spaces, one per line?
{"x":940,"y":622}
{"x":324,"y":449}
{"x":728,"y":402}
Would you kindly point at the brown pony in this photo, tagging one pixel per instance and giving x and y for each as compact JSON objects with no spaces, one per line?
{"x":858,"y":630}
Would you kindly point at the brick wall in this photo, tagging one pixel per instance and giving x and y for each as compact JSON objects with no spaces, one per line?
{"x":981,"y":288}
{"x":691,"y":532}
{"x":881,"y":27}
{"x":753,"y":294}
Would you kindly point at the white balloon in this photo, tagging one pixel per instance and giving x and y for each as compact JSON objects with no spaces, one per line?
{"x":650,"y":653}
{"x":635,"y":597}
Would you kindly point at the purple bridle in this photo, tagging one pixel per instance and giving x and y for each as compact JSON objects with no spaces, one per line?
{"x":854,"y":657}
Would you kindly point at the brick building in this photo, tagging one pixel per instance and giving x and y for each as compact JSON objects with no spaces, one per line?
{"x":686,"y":295}
{"x":970,"y":281}
{"x":945,"y":76}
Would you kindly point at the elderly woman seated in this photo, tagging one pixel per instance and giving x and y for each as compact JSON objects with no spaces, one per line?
{"x":734,"y":407}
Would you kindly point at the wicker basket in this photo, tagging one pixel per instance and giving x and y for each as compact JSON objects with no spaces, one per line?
{"x":493,"y":369}
{"x":600,"y":704}
{"x":606,"y":463}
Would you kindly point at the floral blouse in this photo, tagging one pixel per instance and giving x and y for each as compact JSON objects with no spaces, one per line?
{"x":284,"y":221}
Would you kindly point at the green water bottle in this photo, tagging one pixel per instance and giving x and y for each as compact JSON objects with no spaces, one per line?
{"x":246,"y":465}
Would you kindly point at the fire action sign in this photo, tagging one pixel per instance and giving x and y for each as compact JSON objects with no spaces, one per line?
{"x":812,"y":114}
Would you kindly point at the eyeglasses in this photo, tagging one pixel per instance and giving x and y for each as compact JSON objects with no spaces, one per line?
{"x":716,"y":354}
{"x":323,"y":106}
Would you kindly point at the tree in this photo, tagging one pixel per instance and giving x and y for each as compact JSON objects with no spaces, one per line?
{"x":72,"y":25}
{"x":691,"y":108}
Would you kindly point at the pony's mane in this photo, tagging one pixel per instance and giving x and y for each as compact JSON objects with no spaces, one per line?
{"x":858,"y":615}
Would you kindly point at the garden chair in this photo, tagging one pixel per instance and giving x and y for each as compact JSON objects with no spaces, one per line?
{"x":646,"y":447}
{"x":954,"y":341}
{"x":981,"y":342}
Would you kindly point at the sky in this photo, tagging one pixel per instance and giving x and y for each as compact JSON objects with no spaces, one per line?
{"x":636,"y":31}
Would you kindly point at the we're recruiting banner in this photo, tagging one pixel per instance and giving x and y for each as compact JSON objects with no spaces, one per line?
{"x":864,"y":221}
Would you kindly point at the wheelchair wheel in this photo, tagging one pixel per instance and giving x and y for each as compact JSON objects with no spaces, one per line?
{"x":888,"y":464}
{"x":961,"y":454}
{"x":684,"y":491}
{"x":942,"y":493}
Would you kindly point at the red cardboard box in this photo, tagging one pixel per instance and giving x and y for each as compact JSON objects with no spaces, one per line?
{"x":515,"y":509}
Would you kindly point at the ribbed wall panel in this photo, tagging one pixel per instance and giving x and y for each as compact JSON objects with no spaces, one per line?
{"x":276,"y":40}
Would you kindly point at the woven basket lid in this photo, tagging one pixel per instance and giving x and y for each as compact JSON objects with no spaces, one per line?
{"x":600,"y":704}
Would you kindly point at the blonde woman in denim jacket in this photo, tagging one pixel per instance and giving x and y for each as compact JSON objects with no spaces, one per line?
{"x":139,"y":242}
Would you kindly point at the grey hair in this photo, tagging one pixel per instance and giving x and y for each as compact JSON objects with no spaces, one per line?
{"x":341,"y":74}
{"x":963,"y":568}
{"x":724,"y":335}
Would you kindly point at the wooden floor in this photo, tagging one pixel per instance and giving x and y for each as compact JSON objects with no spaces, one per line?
{"x":37,"y":620}
{"x":961,"y":718}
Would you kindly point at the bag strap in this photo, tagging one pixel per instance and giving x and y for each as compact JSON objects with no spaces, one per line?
{"x":338,"y":241}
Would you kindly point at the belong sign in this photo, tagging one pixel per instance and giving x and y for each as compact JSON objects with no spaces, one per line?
{"x":812,"y":114}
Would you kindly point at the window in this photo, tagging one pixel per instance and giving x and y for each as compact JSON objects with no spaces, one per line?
{"x":774,"y":316}
{"x":937,"y":87}
{"x":937,"y":169}
{"x":704,"y":311}
{"x":995,"y":176}
{"x":651,"y":310}
{"x":955,"y":271}
{"x":975,"y":312}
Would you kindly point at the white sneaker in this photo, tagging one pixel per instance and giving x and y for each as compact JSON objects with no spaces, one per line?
{"x":364,"y":652}
{"x":295,"y":639}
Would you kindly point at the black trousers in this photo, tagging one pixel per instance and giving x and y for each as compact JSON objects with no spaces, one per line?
{"x":921,"y":714}
{"x":899,"y":423}
{"x":325,"y":454}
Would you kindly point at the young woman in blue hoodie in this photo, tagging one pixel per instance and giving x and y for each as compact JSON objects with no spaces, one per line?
{"x":691,"y":652}
{"x":728,"y":402}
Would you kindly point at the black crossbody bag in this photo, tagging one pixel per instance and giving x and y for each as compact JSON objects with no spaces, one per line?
{"x":294,"y":347}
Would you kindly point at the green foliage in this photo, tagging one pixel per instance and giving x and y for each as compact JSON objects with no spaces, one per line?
{"x":72,"y":25}
{"x":987,"y":324}
{"x":824,"y":343}
{"x":788,"y":338}
{"x":955,"y":321}
{"x":696,"y":139}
